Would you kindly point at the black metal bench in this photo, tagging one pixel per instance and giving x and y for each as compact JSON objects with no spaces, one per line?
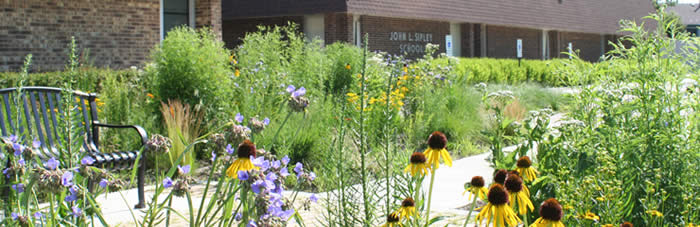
{"x":40,"y":119}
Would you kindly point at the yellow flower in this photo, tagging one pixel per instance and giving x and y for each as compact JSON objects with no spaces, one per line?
{"x":408,"y":208}
{"x":243,"y":162}
{"x":550,"y":214}
{"x":347,"y":66}
{"x":436,"y":149}
{"x":524,"y":168}
{"x":476,"y":188}
{"x":393,"y":220}
{"x":608,"y":225}
{"x":497,"y":209}
{"x":589,"y":216}
{"x":600,"y":199}
{"x":518,"y":196}
{"x":405,"y":69}
{"x":655,"y":213}
{"x":692,"y":225}
{"x":237,"y":73}
{"x":150,"y":95}
{"x":417,"y":165}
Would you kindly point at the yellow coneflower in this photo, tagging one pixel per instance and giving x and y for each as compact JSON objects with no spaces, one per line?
{"x":626,"y":224}
{"x":608,"y":225}
{"x":417,"y":165}
{"x":393,"y":220}
{"x":550,"y":214}
{"x":408,"y":208}
{"x":243,"y":162}
{"x":514,"y":185}
{"x":655,"y":213}
{"x":436,"y":149}
{"x":347,"y":66}
{"x":525,"y":169}
{"x":589,"y":216}
{"x":476,"y":188}
{"x":499,"y":177}
{"x":405,"y":69}
{"x":497,"y":209}
{"x":692,"y":225}
{"x":237,"y":73}
{"x":525,"y":189}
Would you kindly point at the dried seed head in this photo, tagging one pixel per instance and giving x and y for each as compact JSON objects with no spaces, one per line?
{"x":256,"y":125}
{"x":626,"y":224}
{"x":298,"y":104}
{"x":498,"y":195}
{"x":500,"y":176}
{"x":246,"y":149}
{"x":551,"y":210}
{"x":180,"y":188}
{"x":408,"y":202}
{"x":477,"y":181}
{"x":524,"y":162}
{"x":417,"y":158}
{"x":514,"y":183}
{"x":437,"y":140}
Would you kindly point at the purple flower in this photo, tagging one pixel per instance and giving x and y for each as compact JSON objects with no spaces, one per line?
{"x":87,"y":160}
{"x":67,"y":179}
{"x":230,"y":149}
{"x":276,"y":164}
{"x":278,"y":189}
{"x":260,"y":162}
{"x":18,"y":187}
{"x":103,"y":183}
{"x":18,"y":149}
{"x":15,"y":216}
{"x":182,"y":170}
{"x":313,"y":198}
{"x":299,"y":92}
{"x":285,"y":160}
{"x":213,"y":156}
{"x":239,"y":216}
{"x":38,"y":215}
{"x":251,"y":224}
{"x":284,"y":172}
{"x":21,"y":162}
{"x":167,"y":182}
{"x":243,"y":175}
{"x":251,"y":89}
{"x":271,"y":177}
{"x":299,"y":168}
{"x":71,"y":198}
{"x":266,"y":121}
{"x":36,"y":143}
{"x":290,"y":89}
{"x":5,"y":172}
{"x":312,"y":176}
{"x":52,"y":163}
{"x":239,"y":118}
{"x":260,"y":185}
{"x":77,"y":212}
{"x":13,"y":138}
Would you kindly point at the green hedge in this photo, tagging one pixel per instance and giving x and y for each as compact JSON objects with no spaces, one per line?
{"x":490,"y":70}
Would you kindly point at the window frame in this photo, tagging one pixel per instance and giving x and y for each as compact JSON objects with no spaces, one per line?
{"x":191,"y":16}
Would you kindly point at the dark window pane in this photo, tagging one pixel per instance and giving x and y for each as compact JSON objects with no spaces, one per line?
{"x":171,"y":21}
{"x":176,"y":6}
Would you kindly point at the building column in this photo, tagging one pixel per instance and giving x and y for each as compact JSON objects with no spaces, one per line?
{"x":208,"y":14}
{"x":456,"y":33}
{"x":553,"y":38}
{"x":545,"y":41}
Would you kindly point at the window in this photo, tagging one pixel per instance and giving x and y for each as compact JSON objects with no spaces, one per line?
{"x":176,"y":13}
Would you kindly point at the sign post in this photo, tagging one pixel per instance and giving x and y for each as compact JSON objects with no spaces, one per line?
{"x":519,"y":47}
{"x":571,"y":50}
{"x":448,"y":45}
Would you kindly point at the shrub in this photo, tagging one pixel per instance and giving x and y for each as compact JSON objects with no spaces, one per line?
{"x":192,"y":66}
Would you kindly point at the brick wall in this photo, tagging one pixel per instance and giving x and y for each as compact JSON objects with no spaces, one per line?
{"x":589,"y":45}
{"x":233,"y":31}
{"x":394,"y":35}
{"x":338,"y":28}
{"x":208,"y":14}
{"x":501,"y":42}
{"x":118,"y":33}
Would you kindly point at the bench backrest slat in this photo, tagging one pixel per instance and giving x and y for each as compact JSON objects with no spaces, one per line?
{"x":54,"y":110}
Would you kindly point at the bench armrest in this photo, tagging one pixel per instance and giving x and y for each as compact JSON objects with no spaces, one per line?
{"x":142,"y":132}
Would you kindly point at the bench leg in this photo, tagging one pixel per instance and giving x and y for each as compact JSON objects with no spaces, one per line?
{"x":141,"y":173}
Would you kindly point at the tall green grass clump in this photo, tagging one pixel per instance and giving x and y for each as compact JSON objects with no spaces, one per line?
{"x":182,"y":125}
{"x":192,"y":66}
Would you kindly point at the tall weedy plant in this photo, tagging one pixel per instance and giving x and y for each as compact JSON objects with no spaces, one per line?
{"x":183,"y":126}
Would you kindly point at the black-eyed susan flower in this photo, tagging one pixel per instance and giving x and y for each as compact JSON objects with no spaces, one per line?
{"x":514,"y":185}
{"x":393,"y":220}
{"x":243,"y":162}
{"x":477,"y":188}
{"x":655,"y":213}
{"x":417,"y":164}
{"x":524,"y":168}
{"x":408,"y":208}
{"x":608,"y":225}
{"x":347,"y":66}
{"x":500,"y":176}
{"x":550,"y":214}
{"x":589,"y":216}
{"x":237,"y":73}
{"x":436,"y":149}
{"x":497,"y":209}
{"x":626,"y":224}
{"x":525,"y":189}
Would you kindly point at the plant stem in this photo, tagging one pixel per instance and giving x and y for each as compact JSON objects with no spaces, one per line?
{"x":430,"y":193}
{"x":525,"y":219}
{"x":472,"y":209}
{"x":274,"y":138}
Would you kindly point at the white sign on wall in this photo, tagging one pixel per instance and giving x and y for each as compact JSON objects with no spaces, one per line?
{"x":571,"y":50}
{"x":519,"y":46}
{"x":448,"y":45}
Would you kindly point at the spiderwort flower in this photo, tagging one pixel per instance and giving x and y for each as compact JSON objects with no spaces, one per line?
{"x":38,"y":215}
{"x":229,"y":149}
{"x":290,"y":89}
{"x":15,"y":216}
{"x":239,"y":216}
{"x":18,"y":187}
{"x":14,"y":138}
{"x":239,"y":118}
{"x":313,"y":198}
{"x":87,"y":160}
{"x":67,"y":179}
{"x":284,"y":172}
{"x":251,"y":223}
{"x":299,"y":92}
{"x":36,"y":143}
{"x":266,"y":121}
{"x":182,"y":170}
{"x":103,"y":183}
{"x":18,"y":149}
{"x":243,"y":175}
{"x":312,"y":176}
{"x":77,"y":212}
{"x":167,"y":182}
{"x":213,"y":156}
{"x":285,"y":160}
{"x":299,"y":168}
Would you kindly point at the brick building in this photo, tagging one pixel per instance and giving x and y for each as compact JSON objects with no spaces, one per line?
{"x":121,"y":33}
{"x":478,"y":28}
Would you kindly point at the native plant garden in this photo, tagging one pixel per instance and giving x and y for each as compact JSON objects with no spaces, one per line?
{"x":256,"y":126}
